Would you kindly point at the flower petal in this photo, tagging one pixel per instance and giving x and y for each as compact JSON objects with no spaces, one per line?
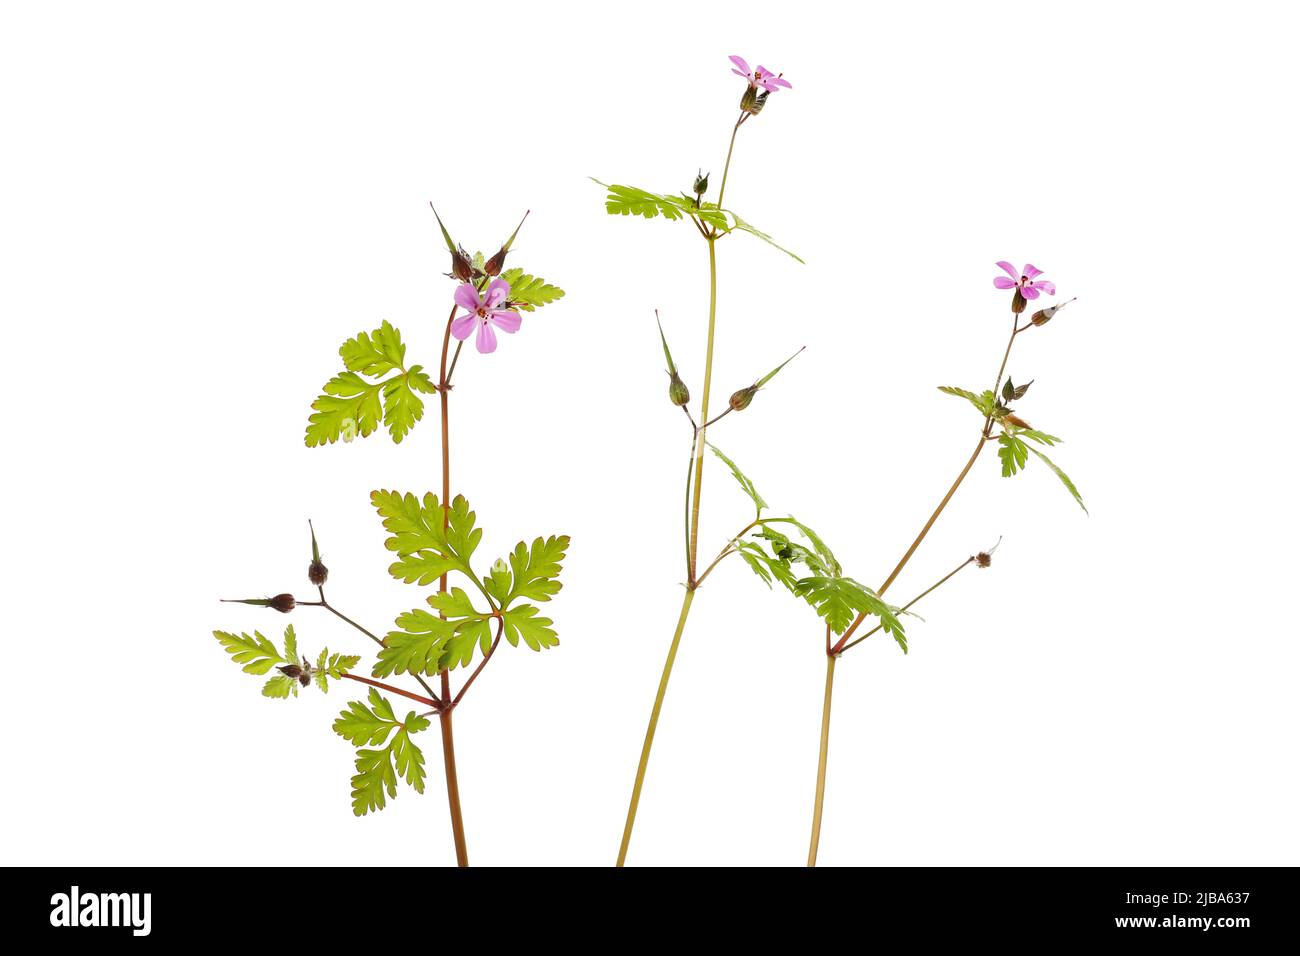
{"x":496,"y":293}
{"x":462,"y":325}
{"x":487,"y":339}
{"x":1046,"y":286}
{"x":1032,"y":271}
{"x":1002,"y":282}
{"x":1009,"y":269}
{"x":466,"y":297}
{"x":741,"y":66}
{"x":1028,"y":291}
{"x":781,"y":81}
{"x":506,"y":321}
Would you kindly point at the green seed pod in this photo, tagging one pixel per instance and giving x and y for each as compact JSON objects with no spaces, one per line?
{"x":678,"y":393}
{"x":284,"y":603}
{"x":316,"y":571}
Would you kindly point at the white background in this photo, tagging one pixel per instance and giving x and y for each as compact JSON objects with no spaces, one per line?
{"x":200,"y":202}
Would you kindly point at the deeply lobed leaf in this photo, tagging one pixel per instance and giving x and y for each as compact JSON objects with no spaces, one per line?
{"x":523,"y":622}
{"x":351,"y":406}
{"x":377,"y":770}
{"x":529,"y":293}
{"x":534,"y":572}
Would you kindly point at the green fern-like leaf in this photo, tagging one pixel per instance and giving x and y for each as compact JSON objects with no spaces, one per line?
{"x":984,"y":402}
{"x":351,"y":406}
{"x":377,"y":770}
{"x":529,"y":293}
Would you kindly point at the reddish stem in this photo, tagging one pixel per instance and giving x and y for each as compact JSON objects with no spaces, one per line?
{"x":501,"y":623}
{"x":396,"y":690}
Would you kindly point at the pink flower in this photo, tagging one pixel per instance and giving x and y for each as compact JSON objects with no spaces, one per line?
{"x":483,"y":312}
{"x":760,"y":77}
{"x":1023,"y":280}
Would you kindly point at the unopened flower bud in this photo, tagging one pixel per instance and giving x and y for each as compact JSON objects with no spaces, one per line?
{"x":1013,"y":419}
{"x":740,"y":400}
{"x":701,"y":183}
{"x":678,"y":393}
{"x":301,"y":674}
{"x":983,"y":559}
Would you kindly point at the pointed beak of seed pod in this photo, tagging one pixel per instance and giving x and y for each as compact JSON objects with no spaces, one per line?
{"x":494,"y":265}
{"x":1043,"y":316}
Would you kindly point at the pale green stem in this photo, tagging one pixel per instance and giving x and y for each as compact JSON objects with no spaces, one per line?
{"x":821,"y":763}
{"x":693,"y":531}
{"x":727,"y":168}
{"x":704,"y":407}
{"x":654,"y":722}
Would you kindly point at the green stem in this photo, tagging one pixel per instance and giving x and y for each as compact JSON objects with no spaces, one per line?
{"x":704,"y":407}
{"x":943,"y":580}
{"x":985,"y":433}
{"x":727,"y":168}
{"x":654,"y":722}
{"x":693,"y":523}
{"x":821,"y":763}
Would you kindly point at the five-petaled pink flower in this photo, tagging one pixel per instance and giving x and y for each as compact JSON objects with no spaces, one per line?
{"x":760,"y":77}
{"x":1023,"y":279}
{"x":483,"y":311}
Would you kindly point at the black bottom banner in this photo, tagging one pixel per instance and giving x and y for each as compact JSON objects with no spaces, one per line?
{"x":1232,"y":907}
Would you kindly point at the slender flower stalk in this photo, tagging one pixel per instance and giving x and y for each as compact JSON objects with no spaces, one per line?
{"x":434,"y":537}
{"x":713,"y":223}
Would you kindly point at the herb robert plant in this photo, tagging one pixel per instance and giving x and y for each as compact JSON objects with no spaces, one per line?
{"x":434,"y":537}
{"x":783,"y":549}
{"x":714,"y":223}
